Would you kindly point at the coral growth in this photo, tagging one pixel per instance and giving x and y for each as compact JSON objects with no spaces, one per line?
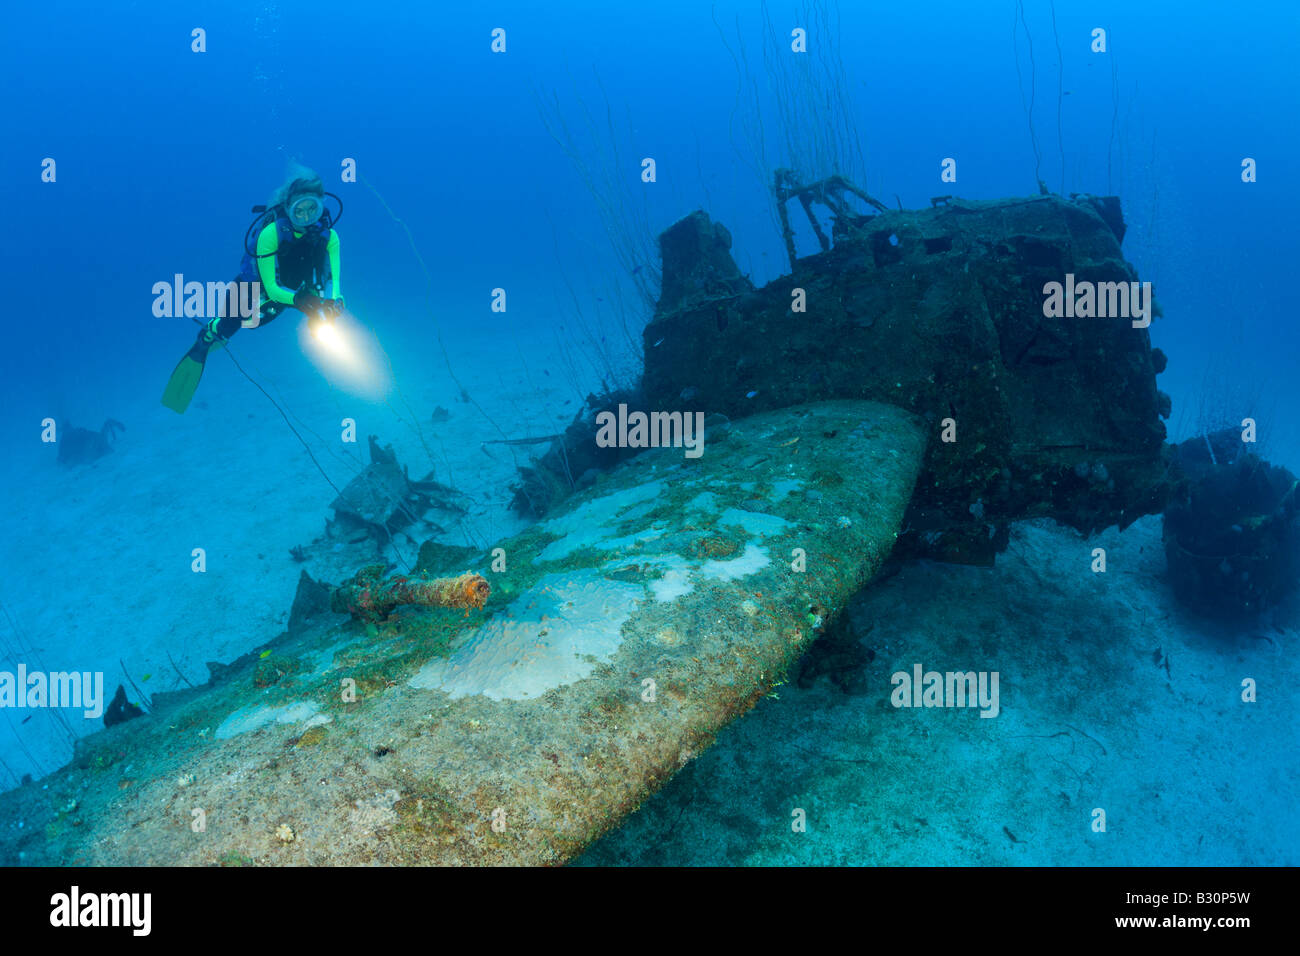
{"x":714,"y":546}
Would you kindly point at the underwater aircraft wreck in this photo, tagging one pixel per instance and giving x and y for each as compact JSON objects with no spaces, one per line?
{"x":900,"y":393}
{"x":939,"y":312}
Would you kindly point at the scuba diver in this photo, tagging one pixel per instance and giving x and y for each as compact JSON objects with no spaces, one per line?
{"x":295,"y":257}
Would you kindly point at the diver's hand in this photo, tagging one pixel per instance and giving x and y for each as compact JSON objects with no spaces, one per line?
{"x":333,"y":308}
{"x":309,"y":303}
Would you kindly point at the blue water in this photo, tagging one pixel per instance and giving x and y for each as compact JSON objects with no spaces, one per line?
{"x":160,"y":151}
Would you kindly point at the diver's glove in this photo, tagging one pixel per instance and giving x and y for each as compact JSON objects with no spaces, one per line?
{"x":309,"y":303}
{"x":332,"y":308}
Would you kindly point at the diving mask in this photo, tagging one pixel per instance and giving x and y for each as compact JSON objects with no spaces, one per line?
{"x":304,"y":211}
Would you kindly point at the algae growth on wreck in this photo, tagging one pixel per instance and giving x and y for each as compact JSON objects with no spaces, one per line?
{"x":653,"y":467}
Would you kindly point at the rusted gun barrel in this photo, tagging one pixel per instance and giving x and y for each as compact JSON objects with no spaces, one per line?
{"x":371,"y":598}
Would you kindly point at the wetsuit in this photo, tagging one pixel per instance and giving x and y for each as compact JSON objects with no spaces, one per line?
{"x":304,"y":261}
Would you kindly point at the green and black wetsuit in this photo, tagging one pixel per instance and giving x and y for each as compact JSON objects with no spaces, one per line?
{"x":287,"y":263}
